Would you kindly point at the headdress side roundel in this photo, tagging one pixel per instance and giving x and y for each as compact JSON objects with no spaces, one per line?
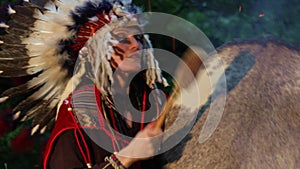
{"x":45,"y":42}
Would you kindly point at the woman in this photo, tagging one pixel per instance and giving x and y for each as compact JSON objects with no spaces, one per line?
{"x":97,"y":125}
{"x":65,"y":151}
{"x":75,"y":143}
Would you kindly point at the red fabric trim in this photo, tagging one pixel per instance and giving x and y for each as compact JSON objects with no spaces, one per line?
{"x":79,"y":146}
{"x":86,"y":147}
{"x":136,"y":165}
{"x":50,"y":146}
{"x":101,"y":119}
{"x":88,"y":158}
{"x":99,"y":106}
{"x":143,"y":109}
{"x":64,"y":122}
{"x":84,"y":89}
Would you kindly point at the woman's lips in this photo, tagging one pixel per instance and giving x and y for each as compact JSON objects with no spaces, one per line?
{"x":135,"y":55}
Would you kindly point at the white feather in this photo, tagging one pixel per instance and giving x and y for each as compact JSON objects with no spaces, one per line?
{"x":49,"y":58}
{"x":54,"y":92}
{"x":3,"y":25}
{"x":54,"y":74}
{"x":35,"y":129}
{"x":39,"y":50}
{"x":54,"y":16}
{"x":72,"y":83}
{"x":70,"y":4}
{"x":10,"y":10}
{"x":43,"y":130}
{"x":60,"y":31}
{"x":34,"y":70}
{"x":3,"y":99}
{"x":63,"y":7}
{"x":50,"y":5}
{"x":16,"y":115}
{"x":42,"y":78}
{"x":49,"y":23}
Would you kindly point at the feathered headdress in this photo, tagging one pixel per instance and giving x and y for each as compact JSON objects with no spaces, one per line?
{"x":45,"y":42}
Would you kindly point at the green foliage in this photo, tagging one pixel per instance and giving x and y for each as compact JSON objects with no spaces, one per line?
{"x":27,"y":154}
{"x":8,"y":1}
{"x":223,"y":20}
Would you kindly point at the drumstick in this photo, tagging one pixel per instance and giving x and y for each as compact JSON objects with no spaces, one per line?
{"x":194,"y":63}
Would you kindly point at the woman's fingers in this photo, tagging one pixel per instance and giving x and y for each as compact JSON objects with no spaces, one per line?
{"x":146,"y":144}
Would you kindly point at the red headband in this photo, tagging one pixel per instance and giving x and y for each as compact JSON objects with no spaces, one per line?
{"x":88,"y":29}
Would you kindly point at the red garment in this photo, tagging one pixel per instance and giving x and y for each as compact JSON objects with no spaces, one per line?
{"x":70,"y":147}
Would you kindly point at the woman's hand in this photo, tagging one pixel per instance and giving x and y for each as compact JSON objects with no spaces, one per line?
{"x":143,"y":146}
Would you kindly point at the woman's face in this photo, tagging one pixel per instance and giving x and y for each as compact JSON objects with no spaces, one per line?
{"x":127,"y":56}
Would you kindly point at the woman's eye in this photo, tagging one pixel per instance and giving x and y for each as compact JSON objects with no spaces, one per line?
{"x":120,"y":36}
{"x":124,"y":41}
{"x":124,"y":38}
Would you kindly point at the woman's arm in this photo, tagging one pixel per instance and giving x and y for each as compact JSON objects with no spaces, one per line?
{"x":67,"y":155}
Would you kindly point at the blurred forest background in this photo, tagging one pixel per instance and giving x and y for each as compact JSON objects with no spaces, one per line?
{"x":221,"y":21}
